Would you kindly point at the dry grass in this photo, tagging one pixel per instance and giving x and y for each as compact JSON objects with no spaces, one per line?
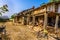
{"x":19,"y":32}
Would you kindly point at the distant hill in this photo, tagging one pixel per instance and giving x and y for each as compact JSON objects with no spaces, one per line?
{"x":4,"y":18}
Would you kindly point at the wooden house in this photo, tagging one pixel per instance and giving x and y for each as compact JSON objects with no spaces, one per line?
{"x":23,"y":16}
{"x":45,"y":15}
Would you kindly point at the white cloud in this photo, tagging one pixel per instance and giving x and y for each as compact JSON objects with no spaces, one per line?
{"x":1,"y":3}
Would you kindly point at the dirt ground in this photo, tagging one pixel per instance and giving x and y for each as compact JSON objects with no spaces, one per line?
{"x":22,"y":32}
{"x":19,"y":32}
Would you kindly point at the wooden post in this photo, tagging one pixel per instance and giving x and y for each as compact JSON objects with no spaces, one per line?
{"x":33,"y":20}
{"x":45,"y":20}
{"x":56,"y":23}
{"x":22,"y":20}
{"x":28,"y":18}
{"x":15,"y":19}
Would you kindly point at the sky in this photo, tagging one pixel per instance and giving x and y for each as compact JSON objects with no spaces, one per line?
{"x":16,"y":6}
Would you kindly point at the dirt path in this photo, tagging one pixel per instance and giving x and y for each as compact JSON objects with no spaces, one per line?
{"x":20,"y":32}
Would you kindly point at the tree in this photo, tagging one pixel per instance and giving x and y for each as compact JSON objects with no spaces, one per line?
{"x":13,"y":16}
{"x":3,"y":9}
{"x":54,"y":0}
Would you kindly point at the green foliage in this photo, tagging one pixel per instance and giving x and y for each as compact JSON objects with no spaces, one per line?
{"x":3,"y":9}
{"x":3,"y":20}
{"x":54,"y":0}
{"x":51,"y":0}
{"x":0,"y":13}
{"x":13,"y":16}
{"x":43,"y":4}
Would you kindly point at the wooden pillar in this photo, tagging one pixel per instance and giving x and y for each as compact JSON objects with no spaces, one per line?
{"x":15,"y":20}
{"x":28,"y":19}
{"x":45,"y":20}
{"x":33,"y":20}
{"x":56,"y":23}
{"x":23,"y":20}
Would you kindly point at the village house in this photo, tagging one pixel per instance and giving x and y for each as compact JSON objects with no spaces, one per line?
{"x":45,"y":15}
{"x":23,"y":17}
